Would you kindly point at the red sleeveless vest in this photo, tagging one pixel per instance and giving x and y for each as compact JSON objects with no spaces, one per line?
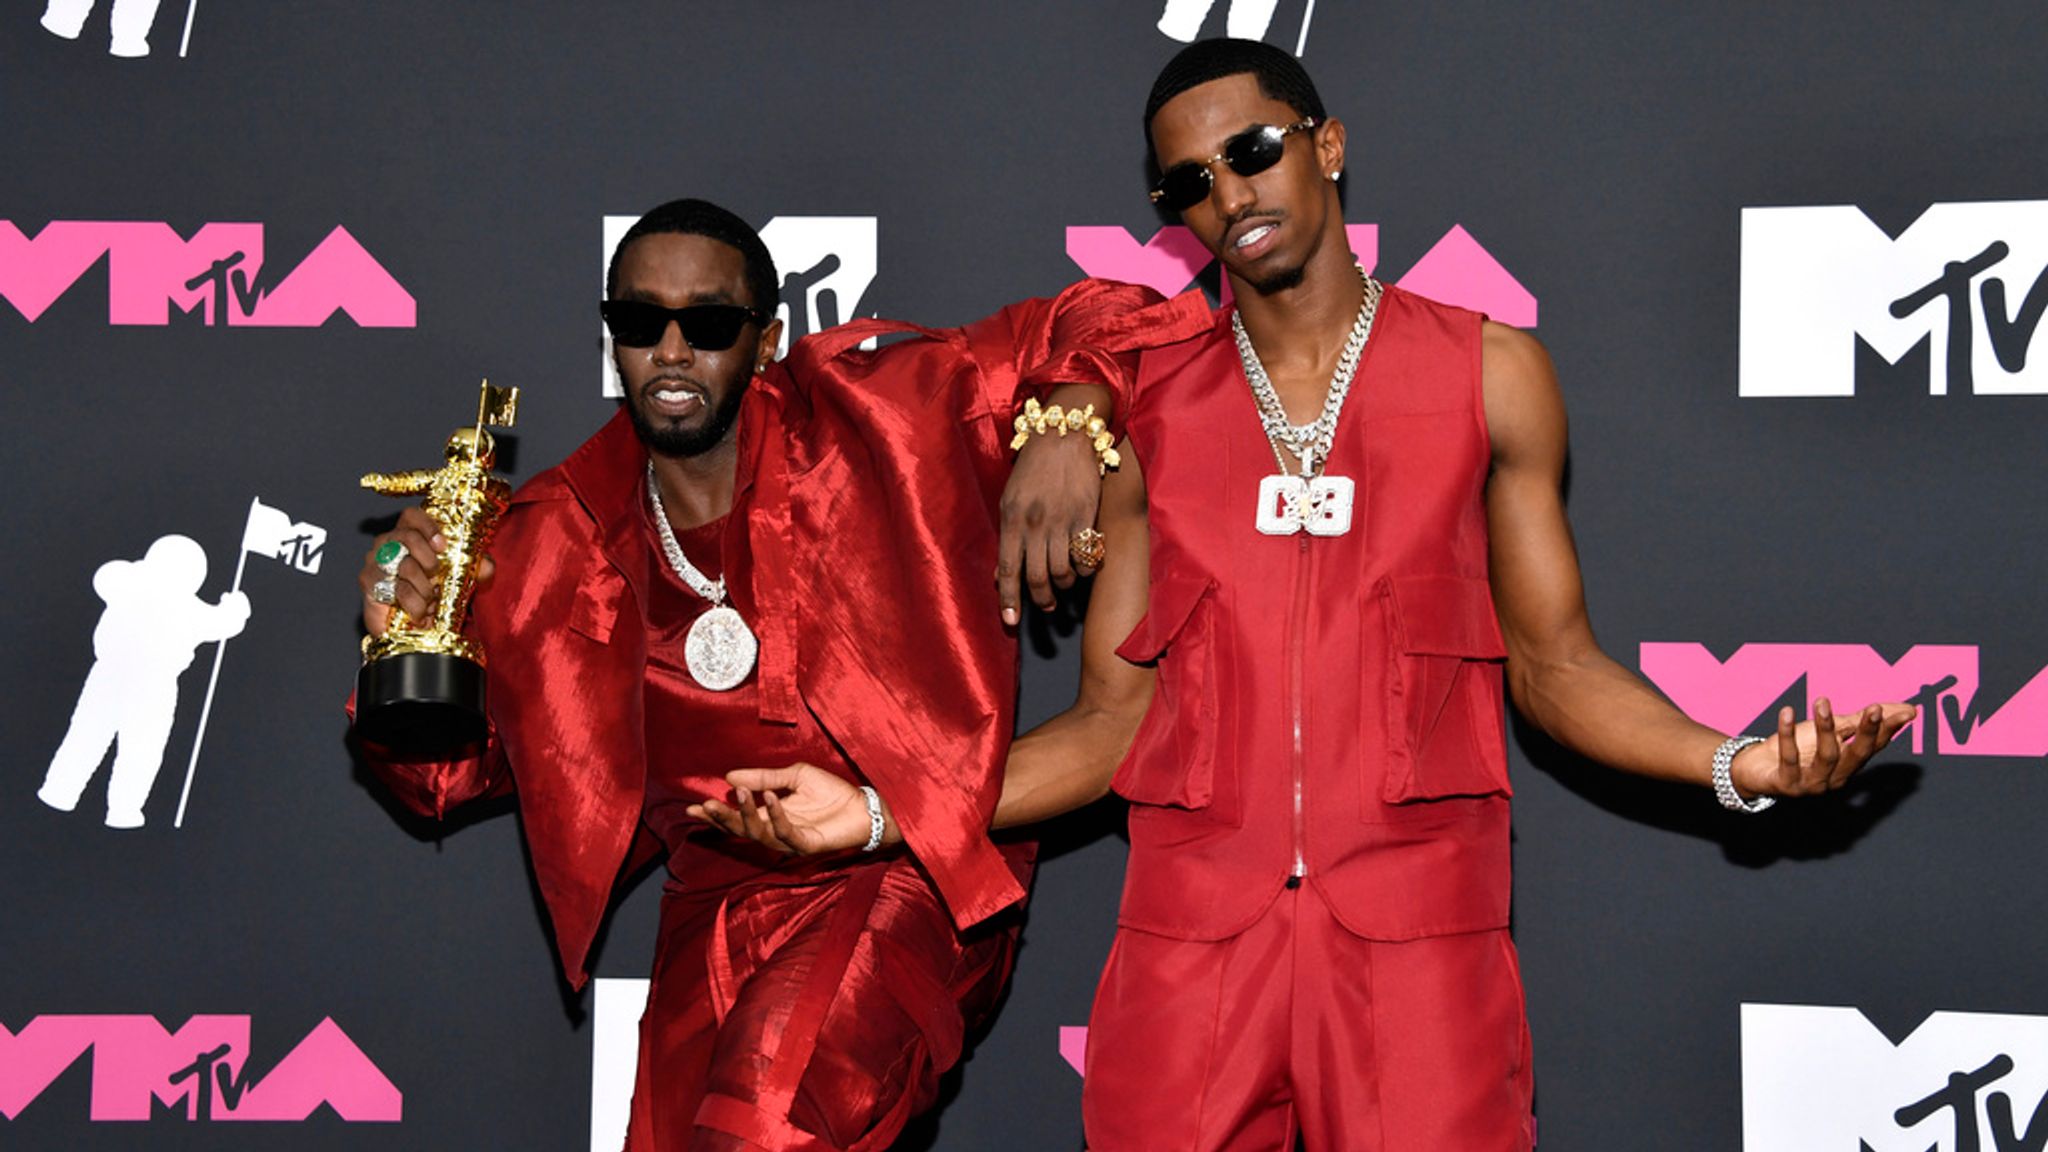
{"x":1329,"y":708}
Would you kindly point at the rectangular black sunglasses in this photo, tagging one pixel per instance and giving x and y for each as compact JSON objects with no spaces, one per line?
{"x":706,"y":327}
{"x":1248,"y":153}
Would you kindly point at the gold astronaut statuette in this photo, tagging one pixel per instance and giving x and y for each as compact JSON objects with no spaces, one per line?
{"x":421,"y":689}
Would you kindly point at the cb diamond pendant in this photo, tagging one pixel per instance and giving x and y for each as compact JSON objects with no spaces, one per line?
{"x":1290,"y":504}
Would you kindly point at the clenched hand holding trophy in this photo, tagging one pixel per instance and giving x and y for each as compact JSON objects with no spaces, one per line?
{"x":421,"y":689}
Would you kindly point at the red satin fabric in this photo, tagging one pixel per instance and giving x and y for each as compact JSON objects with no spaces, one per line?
{"x":1332,"y":700}
{"x":875,"y":476}
{"x":806,"y":1004}
{"x":814,"y":1016}
{"x":1296,"y":1026}
{"x":1380,"y":647}
{"x":799,"y":1004}
{"x":694,"y":735}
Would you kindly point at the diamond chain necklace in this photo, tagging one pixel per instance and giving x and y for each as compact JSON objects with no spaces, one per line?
{"x":1310,"y":442}
{"x":712,"y":590}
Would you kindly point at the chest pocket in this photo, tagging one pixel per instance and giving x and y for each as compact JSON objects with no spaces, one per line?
{"x":1445,"y":724}
{"x":596,"y":608}
{"x":1172,"y":761}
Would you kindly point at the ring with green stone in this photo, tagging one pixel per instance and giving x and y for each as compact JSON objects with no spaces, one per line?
{"x":390,"y":554}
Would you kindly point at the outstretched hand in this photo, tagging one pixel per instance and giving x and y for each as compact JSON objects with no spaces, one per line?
{"x":1818,"y":755}
{"x":801,"y":809}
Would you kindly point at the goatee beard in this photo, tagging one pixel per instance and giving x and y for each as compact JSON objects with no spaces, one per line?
{"x":667,"y":439}
{"x":1280,"y":281}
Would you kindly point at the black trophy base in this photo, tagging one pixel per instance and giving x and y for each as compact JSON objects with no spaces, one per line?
{"x":421,"y":704}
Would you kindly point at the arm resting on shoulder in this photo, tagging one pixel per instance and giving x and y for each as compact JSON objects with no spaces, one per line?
{"x":1069,"y":760}
{"x":1079,"y":349}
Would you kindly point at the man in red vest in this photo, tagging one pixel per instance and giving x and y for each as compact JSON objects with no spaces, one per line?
{"x":1339,"y":524}
{"x":754,"y":563}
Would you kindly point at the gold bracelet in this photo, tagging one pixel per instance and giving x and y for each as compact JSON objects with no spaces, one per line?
{"x":1053,"y":418}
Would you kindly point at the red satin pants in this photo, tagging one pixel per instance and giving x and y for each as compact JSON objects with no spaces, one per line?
{"x":1296,"y":1026}
{"x":807,"y":1018}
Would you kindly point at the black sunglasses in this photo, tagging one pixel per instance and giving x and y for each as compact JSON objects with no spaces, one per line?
{"x":1248,"y":153}
{"x":706,"y":327}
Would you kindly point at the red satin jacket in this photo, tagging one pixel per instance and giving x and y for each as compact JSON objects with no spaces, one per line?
{"x":1328,"y":707}
{"x":869,"y":482}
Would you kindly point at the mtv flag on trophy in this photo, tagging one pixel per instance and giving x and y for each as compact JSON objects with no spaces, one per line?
{"x":268,"y":532}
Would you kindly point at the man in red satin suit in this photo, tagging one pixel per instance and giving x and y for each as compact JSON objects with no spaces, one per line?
{"x":1338,"y":531}
{"x":754,"y":564}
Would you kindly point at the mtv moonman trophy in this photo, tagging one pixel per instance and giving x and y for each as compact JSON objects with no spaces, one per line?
{"x":421,"y":690}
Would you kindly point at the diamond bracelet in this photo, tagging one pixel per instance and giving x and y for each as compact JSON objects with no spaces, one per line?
{"x":874,"y":800}
{"x":1724,"y":778}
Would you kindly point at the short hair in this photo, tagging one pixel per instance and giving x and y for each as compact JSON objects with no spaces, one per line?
{"x":703,"y":218}
{"x":1281,"y":77}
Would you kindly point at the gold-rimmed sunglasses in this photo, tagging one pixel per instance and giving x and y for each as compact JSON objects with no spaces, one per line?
{"x":1248,"y":153}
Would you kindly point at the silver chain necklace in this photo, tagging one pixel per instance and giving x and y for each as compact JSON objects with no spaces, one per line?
{"x":1309,"y":442}
{"x":1307,"y":500}
{"x":720,"y":648}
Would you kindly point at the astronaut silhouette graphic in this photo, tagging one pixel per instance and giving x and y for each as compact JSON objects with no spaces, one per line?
{"x":131,"y":20}
{"x":153,"y":625}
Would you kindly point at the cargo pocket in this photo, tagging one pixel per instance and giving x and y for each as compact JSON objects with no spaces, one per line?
{"x":1445,"y":734}
{"x":1172,"y":761}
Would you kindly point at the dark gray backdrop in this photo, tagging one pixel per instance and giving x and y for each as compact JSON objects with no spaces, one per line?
{"x":1602,"y":151}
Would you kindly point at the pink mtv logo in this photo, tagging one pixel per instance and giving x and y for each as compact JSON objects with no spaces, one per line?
{"x":151,"y":269}
{"x":1941,"y":678}
{"x":202,"y":1065}
{"x":1457,"y":270}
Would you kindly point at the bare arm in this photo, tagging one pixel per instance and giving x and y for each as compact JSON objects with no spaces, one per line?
{"x":1556,"y":673}
{"x":1078,"y":349}
{"x":1059,"y":766}
{"x":1068,"y":761}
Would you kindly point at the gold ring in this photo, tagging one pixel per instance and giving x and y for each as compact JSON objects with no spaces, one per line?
{"x":1087,"y":548}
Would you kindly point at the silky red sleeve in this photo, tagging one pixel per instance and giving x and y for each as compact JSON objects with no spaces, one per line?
{"x":432,"y":787}
{"x":1091,"y":333}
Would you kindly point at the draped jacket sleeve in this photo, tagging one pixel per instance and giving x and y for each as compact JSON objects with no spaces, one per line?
{"x":870,"y":481}
{"x":898,"y":459}
{"x":566,"y":652}
{"x":432,"y":787}
{"x":1091,"y":333}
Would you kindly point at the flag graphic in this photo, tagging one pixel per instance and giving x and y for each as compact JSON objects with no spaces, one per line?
{"x":270,"y":532}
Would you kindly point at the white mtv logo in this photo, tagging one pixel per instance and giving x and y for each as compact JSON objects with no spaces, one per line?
{"x":614,"y":1058}
{"x":1245,"y":20}
{"x":1818,"y":1079}
{"x":1966,"y":278}
{"x":826,"y":263}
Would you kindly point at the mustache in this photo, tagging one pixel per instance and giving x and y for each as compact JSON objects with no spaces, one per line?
{"x":673,"y":378}
{"x":1272,"y":214}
